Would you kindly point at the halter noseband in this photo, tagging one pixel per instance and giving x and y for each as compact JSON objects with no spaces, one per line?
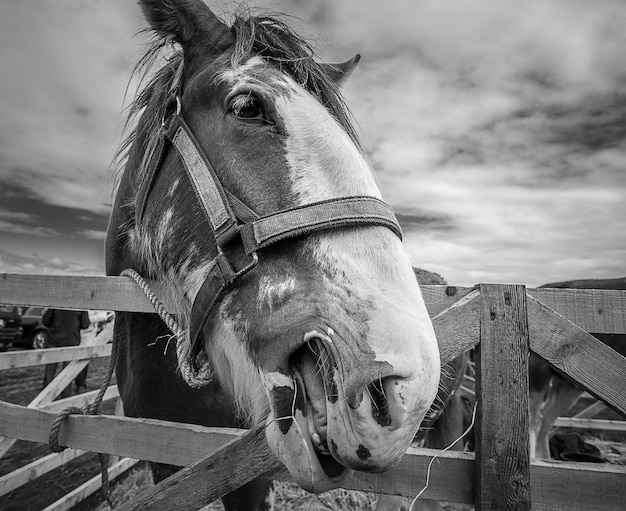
{"x":230,"y":218}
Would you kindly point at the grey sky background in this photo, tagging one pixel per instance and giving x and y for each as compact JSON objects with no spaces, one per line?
{"x":498,"y":128}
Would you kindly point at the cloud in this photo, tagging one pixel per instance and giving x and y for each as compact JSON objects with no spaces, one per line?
{"x":498,"y":130}
{"x":508,"y":123}
{"x":62,"y":92}
{"x":33,"y":263}
{"x":30,"y":230}
{"x":93,"y":235}
{"x":25,"y":212}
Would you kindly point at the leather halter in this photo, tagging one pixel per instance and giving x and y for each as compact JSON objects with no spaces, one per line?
{"x":230,"y":218}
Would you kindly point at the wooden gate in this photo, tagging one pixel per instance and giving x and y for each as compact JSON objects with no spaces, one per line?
{"x":503,"y":322}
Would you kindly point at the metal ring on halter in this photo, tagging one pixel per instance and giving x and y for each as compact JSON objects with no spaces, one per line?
{"x":246,"y":269}
{"x":230,"y":274}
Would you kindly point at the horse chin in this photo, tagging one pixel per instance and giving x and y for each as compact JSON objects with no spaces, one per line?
{"x":295,"y":430}
{"x":311,"y":468}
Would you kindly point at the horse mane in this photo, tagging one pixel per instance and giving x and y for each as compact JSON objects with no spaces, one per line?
{"x":266,"y":36}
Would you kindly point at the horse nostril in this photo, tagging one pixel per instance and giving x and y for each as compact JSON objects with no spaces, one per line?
{"x":380,"y":404}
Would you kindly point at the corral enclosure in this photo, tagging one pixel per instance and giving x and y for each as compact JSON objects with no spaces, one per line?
{"x":504,"y":322}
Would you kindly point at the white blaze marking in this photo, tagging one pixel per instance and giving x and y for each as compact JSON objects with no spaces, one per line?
{"x":276,"y":379}
{"x":175,"y":184}
{"x":237,"y":76}
{"x":324,"y":161}
{"x":272,"y":292}
{"x":164,"y":227}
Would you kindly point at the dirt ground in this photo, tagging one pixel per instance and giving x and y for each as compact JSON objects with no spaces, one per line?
{"x":22,"y":385}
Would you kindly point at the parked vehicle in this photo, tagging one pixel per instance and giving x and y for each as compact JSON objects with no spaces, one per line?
{"x":34,"y":332}
{"x":22,"y":327}
{"x":10,"y":326}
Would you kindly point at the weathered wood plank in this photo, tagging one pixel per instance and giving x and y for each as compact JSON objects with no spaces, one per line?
{"x":562,"y":486}
{"x":26,"y":358}
{"x":233,"y":465}
{"x":146,"y":439}
{"x":90,"y":487}
{"x":457,"y":327}
{"x":439,"y":298}
{"x":451,"y":476}
{"x":591,"y":411}
{"x":37,"y":468}
{"x":122,"y":294}
{"x":555,"y":486}
{"x":596,"y":311}
{"x":578,"y":354}
{"x":71,"y":370}
{"x":502,"y":465}
{"x":75,"y":292}
{"x":81,"y":400}
{"x":584,"y":423}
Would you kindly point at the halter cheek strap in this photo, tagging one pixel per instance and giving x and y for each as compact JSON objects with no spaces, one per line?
{"x":230,"y":219}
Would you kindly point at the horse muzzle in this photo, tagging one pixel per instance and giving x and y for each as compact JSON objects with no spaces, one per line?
{"x":338,"y":410}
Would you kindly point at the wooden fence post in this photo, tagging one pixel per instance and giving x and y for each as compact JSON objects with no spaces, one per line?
{"x":502,"y":467}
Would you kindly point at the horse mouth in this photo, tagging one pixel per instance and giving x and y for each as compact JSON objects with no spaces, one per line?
{"x":331,"y":415}
{"x":313,"y":368}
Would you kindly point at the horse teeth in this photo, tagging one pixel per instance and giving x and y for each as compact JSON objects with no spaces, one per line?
{"x":319,"y":443}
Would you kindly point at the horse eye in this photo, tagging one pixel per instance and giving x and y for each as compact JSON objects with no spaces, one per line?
{"x":247,"y":107}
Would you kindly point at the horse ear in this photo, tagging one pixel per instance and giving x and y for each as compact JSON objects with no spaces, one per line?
{"x":189,"y":22}
{"x":339,"y":73}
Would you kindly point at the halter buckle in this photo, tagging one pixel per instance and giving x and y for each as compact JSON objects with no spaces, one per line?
{"x":249,"y":266}
{"x":228,"y":274}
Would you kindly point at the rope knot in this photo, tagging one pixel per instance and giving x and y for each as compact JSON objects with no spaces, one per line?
{"x":53,"y":439}
{"x":195,"y":369}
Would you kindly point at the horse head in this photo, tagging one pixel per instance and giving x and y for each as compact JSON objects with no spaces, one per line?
{"x":322,"y":331}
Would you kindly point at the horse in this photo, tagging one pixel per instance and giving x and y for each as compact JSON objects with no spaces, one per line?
{"x":553,"y":394}
{"x":245,"y":193}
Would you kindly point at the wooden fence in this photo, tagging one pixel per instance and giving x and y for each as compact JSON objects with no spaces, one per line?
{"x":503,"y":322}
{"x":93,"y":345}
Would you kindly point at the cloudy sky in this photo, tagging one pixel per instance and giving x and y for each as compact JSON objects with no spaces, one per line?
{"x":498,"y":128}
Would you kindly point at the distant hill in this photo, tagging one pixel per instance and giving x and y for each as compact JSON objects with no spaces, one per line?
{"x":619,"y":283}
{"x":427,"y":278}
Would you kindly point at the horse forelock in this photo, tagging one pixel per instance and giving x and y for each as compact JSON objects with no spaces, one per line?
{"x":257,"y":37}
{"x":273,"y":40}
{"x":264,"y":36}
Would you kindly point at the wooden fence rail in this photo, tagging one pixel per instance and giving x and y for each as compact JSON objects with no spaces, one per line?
{"x":504,"y":321}
{"x":597,"y":311}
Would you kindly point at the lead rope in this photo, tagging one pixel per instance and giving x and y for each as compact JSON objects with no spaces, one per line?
{"x":94,"y":407}
{"x":167,"y":318}
{"x":195,"y":379}
{"x":89,"y":409}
